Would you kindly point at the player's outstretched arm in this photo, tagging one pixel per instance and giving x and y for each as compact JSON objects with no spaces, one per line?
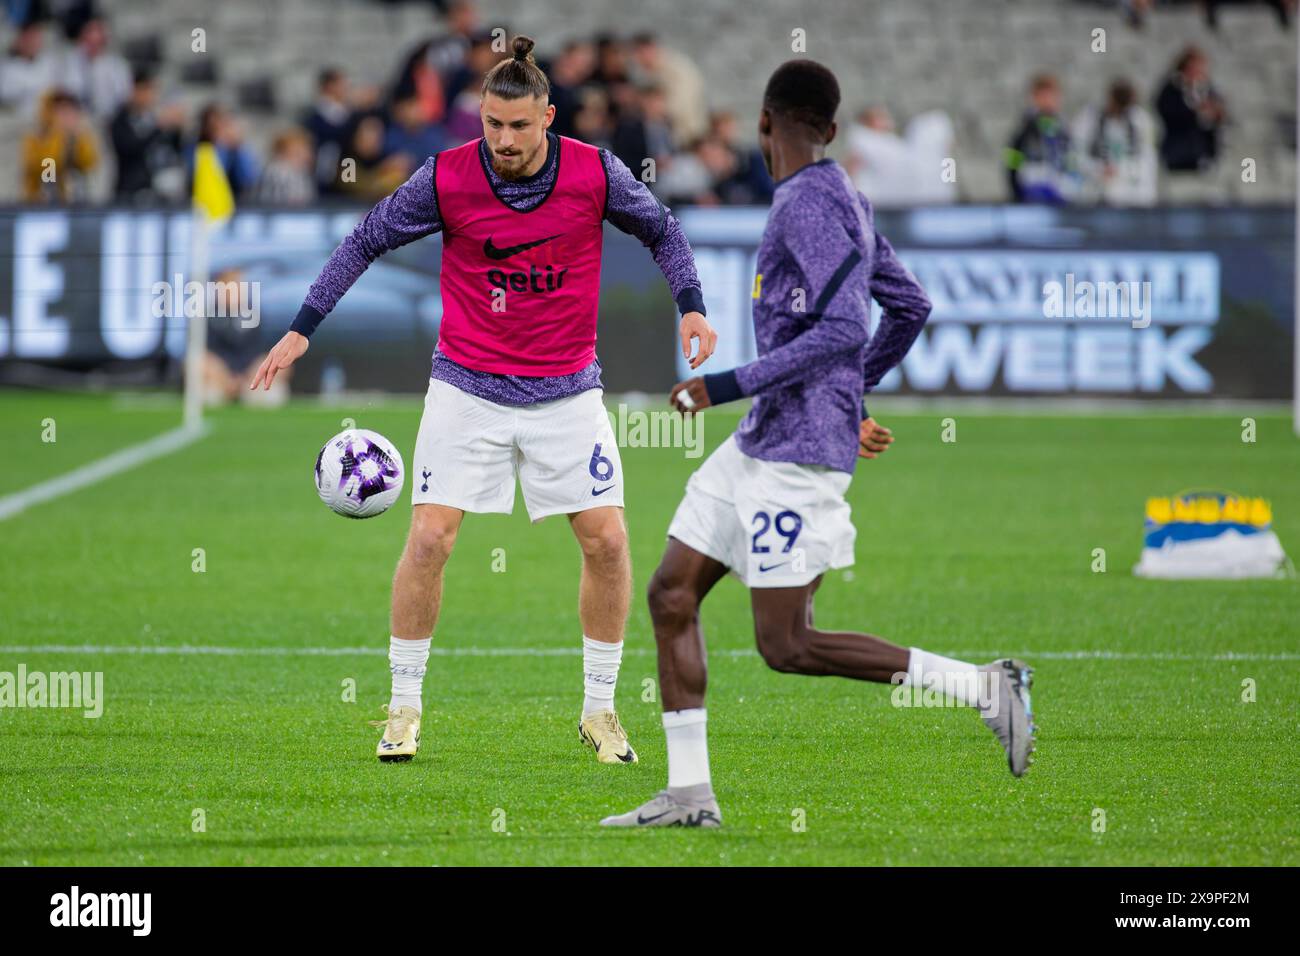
{"x":630,"y":207}
{"x":408,"y":213}
{"x":288,"y":350}
{"x":694,"y":330}
{"x":834,"y":269}
{"x":798,"y":359}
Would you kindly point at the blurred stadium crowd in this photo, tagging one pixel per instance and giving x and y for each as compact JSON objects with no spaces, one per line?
{"x":119,"y":114}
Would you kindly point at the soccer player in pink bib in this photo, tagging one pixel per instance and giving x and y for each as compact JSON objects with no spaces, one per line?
{"x":515,"y":388}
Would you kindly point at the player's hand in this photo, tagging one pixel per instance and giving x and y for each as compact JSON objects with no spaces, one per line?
{"x":873,"y":439}
{"x":287,"y":351}
{"x":690,"y":396}
{"x":694,"y":326}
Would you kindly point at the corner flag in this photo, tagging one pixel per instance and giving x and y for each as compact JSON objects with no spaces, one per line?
{"x":212,"y":192}
{"x":214,"y":203}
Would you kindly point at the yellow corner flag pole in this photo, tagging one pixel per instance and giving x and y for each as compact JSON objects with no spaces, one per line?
{"x":213,"y":205}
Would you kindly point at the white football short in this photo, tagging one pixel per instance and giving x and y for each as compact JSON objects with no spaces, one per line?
{"x":774,"y":524}
{"x":469,"y":451}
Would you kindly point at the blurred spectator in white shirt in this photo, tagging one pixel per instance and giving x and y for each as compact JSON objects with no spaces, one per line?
{"x":27,"y":71}
{"x":893,"y":170}
{"x":693,"y":176}
{"x":929,"y":137}
{"x":1118,"y":145}
{"x":656,"y":65}
{"x":98,"y":77}
{"x":879,"y":161}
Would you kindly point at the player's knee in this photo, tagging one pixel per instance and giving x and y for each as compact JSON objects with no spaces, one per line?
{"x":777,"y":645}
{"x":670,"y":603}
{"x":606,"y":545}
{"x":431,"y":541}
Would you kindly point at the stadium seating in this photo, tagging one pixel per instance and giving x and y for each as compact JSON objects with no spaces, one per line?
{"x":911,"y":57}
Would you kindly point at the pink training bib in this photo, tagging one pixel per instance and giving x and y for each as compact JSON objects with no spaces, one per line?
{"x":520,"y":290}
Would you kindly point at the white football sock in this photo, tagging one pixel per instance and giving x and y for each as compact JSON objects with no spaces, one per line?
{"x":956,"y":679}
{"x":599,"y":674}
{"x":407,"y":660}
{"x":688,"y":747}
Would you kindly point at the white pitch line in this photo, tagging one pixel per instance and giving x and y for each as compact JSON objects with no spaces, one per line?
{"x":207,"y":650}
{"x":119,"y":461}
{"x":380,"y":650}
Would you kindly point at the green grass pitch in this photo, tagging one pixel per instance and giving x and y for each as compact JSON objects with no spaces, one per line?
{"x":977,"y":548}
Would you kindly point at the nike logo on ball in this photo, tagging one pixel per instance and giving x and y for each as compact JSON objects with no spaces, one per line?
{"x":492,"y":252}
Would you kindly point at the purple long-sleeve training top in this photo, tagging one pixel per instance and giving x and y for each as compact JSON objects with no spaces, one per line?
{"x":820,"y":262}
{"x":411,"y":212}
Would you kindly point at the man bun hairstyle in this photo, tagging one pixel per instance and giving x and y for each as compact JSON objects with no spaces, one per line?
{"x":805,"y":92}
{"x":518,"y":76}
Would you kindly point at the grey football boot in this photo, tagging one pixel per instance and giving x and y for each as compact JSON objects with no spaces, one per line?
{"x":1007,"y":711}
{"x":684,"y":807}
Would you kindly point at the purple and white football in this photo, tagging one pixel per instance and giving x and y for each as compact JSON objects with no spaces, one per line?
{"x":359,"y":473}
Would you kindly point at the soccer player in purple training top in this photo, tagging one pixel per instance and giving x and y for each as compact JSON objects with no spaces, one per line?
{"x":769,"y":505}
{"x":515,"y":386}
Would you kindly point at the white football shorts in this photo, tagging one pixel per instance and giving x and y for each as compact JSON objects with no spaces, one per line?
{"x":469,"y":451}
{"x":774,"y":524}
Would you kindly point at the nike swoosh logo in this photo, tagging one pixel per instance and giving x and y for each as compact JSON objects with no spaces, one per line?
{"x":762,"y":568}
{"x":492,"y":252}
{"x":644,"y":820}
{"x":597,"y":492}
